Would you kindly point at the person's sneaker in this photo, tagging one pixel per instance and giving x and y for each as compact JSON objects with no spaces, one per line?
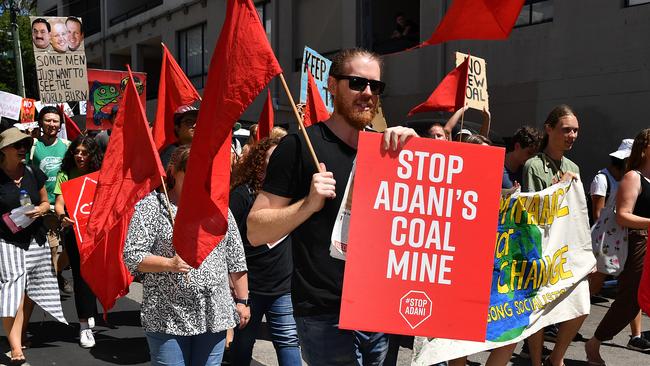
{"x":525,"y":352}
{"x":64,"y":285}
{"x":638,"y":344}
{"x":91,"y":322}
{"x":86,"y":338}
{"x":550,"y":333}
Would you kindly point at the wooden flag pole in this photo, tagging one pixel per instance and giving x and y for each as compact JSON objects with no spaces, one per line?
{"x":462,"y":120}
{"x":302,"y":127}
{"x":169,"y":205}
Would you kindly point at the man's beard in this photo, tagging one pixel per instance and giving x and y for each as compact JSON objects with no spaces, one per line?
{"x":358,"y":120}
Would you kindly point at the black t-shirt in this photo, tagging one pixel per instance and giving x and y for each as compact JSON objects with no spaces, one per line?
{"x":269,"y":269}
{"x":317,"y":278}
{"x":33,"y":181}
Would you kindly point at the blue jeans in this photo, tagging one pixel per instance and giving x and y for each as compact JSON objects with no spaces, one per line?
{"x":279,"y":315}
{"x":199,"y":350}
{"x":323,"y":343}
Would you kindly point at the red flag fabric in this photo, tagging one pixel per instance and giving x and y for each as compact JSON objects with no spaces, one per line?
{"x":243,"y":63}
{"x":315,"y":110}
{"x":477,"y":19}
{"x":644,"y":285}
{"x":174,"y":90}
{"x":265,"y":123}
{"x":72,"y":131}
{"x":449,"y":94}
{"x":131,"y":169}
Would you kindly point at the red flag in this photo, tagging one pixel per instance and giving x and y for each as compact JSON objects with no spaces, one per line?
{"x":265,"y":123}
{"x":72,"y":131}
{"x":644,"y":285}
{"x":131,"y":169}
{"x":315,"y":110}
{"x":243,"y":63}
{"x":174,"y":90}
{"x":450,"y":94}
{"x":477,"y":19}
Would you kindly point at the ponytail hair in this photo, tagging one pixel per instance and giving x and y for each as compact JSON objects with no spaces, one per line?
{"x":552,"y":119}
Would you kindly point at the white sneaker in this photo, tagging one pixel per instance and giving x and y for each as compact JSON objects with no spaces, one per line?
{"x":86,"y":338}
{"x":91,"y":322}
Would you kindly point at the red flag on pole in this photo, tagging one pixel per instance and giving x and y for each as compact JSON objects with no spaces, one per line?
{"x":174,"y":90}
{"x":450,"y":94}
{"x":131,"y":169}
{"x":72,"y":131}
{"x":265,"y":123}
{"x":477,"y":19}
{"x":315,"y":110}
{"x":243,"y":63}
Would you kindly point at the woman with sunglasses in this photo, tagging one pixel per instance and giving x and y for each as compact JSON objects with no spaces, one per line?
{"x":83,"y":157}
{"x":185,"y":311}
{"x":25,"y":261}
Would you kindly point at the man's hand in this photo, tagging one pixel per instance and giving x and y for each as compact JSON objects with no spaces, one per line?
{"x":396,"y":137}
{"x":323,"y":186}
{"x":66,"y":222}
{"x":244,"y":313}
{"x":568,"y":176}
{"x":178,"y":265}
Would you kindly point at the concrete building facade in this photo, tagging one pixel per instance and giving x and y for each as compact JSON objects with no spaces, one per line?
{"x":590,"y":54}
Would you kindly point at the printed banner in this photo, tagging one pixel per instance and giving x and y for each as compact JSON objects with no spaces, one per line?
{"x":421,"y":239}
{"x":28,"y":110}
{"x":319,"y":67}
{"x":106,"y":89}
{"x":476,"y":94}
{"x":10,"y":105}
{"x":541,"y":259}
{"x":78,"y":195}
{"x":58,"y":44}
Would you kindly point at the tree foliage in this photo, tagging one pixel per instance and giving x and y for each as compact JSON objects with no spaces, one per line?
{"x":8,"y":81}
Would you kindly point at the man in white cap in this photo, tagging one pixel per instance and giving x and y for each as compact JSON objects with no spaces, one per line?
{"x":184,"y":123}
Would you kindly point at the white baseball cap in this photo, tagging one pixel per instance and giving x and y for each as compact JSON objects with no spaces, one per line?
{"x":624,"y":149}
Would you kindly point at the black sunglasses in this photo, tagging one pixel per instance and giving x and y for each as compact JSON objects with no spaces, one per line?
{"x":22,"y":143}
{"x":358,"y":83}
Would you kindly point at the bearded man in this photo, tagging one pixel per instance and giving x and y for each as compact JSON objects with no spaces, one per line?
{"x":298,"y":199}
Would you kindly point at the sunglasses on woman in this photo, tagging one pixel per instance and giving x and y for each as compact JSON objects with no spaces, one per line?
{"x":23,"y":143}
{"x":357,"y":83}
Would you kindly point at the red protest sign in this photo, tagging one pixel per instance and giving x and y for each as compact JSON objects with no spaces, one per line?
{"x":78,"y":195}
{"x":105,"y":91}
{"x":28,"y":110}
{"x":422,"y":236}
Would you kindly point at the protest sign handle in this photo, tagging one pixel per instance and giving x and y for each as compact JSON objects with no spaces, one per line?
{"x":169,"y":205}
{"x":302,"y":127}
{"x":462,"y":120}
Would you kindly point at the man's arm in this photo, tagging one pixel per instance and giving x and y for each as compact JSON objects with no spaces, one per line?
{"x":272,"y":216}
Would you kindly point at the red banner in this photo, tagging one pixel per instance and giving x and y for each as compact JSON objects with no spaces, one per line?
{"x":28,"y":110}
{"x":422,"y":236}
{"x":78,"y":195}
{"x":105,"y":89}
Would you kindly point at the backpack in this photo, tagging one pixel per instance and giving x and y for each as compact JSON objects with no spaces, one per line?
{"x":590,"y":204}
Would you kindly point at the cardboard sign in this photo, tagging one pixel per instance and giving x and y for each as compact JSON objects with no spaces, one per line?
{"x":10,"y":105}
{"x":58,"y":44}
{"x":78,"y":195}
{"x":319,"y":67}
{"x":106,"y":89}
{"x":28,"y":110}
{"x":477,"y":93}
{"x":421,"y":245}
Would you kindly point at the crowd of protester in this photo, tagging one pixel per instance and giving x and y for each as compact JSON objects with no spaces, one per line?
{"x":274,"y":260}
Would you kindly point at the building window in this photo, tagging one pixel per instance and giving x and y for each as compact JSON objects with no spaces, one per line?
{"x":535,"y":12}
{"x":88,"y":11}
{"x":129,"y":9}
{"x":388,"y":26}
{"x":636,"y":2}
{"x":193,"y":55}
{"x":263,"y":10}
{"x":51,"y":12}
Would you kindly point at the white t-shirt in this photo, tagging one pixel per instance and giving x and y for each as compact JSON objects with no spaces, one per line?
{"x":599,"y":184}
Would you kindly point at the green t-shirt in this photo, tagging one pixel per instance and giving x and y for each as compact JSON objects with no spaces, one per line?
{"x":540,"y":171}
{"x":63,"y":177}
{"x":48,"y":159}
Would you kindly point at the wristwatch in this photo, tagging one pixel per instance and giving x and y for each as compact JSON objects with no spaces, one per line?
{"x":245,"y":302}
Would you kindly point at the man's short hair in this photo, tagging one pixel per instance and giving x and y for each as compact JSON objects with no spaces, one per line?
{"x":75,"y":19}
{"x":42,"y":20}
{"x":343,"y":56}
{"x":526,"y":136}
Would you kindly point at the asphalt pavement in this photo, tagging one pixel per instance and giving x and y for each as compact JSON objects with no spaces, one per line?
{"x":122,"y":342}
